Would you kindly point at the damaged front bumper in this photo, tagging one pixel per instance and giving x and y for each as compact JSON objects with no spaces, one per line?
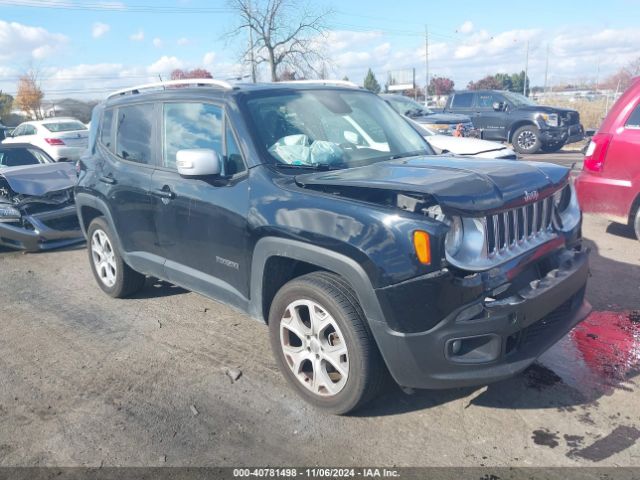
{"x":43,"y":230}
{"x":490,"y":337}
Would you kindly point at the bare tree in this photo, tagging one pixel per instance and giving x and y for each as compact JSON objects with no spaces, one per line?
{"x":283,"y":33}
{"x":30,"y":95}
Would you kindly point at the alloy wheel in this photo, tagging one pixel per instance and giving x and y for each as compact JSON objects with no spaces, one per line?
{"x":103,"y":257}
{"x":526,"y":139}
{"x":314,"y":348}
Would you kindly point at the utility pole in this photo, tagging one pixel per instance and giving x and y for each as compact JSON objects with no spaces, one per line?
{"x":251,"y":57}
{"x":546,"y":71}
{"x":526,"y":71}
{"x":426,"y":64}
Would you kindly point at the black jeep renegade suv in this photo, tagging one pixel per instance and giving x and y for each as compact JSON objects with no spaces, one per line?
{"x":316,"y":208}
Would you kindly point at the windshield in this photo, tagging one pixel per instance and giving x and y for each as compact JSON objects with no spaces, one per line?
{"x":64,"y":126}
{"x":518,"y":99}
{"x":406,"y":106}
{"x":332,"y":129}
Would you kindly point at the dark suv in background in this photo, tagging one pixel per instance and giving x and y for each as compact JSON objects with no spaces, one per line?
{"x":512,"y":117}
{"x":362,"y":258}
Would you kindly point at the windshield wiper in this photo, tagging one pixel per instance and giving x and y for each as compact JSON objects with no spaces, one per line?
{"x":315,"y":166}
{"x":408,"y":154}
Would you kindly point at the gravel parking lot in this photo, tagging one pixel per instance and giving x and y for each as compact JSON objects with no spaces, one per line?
{"x":86,"y":380}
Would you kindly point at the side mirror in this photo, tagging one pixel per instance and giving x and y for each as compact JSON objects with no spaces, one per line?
{"x":498,"y":106}
{"x":198,"y":162}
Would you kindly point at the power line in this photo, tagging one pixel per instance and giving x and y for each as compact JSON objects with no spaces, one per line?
{"x":111,"y":7}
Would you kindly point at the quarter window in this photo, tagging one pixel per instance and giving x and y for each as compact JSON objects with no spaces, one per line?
{"x":133,"y":134}
{"x":105,"y":133}
{"x":634,"y":119}
{"x":462,"y":100}
{"x":233,"y":159}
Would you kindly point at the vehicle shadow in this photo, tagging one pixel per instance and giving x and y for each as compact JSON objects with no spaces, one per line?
{"x":621,"y":230}
{"x":156,"y":288}
{"x":598,"y":357}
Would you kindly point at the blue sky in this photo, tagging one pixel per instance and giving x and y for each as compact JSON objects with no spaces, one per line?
{"x":86,"y":48}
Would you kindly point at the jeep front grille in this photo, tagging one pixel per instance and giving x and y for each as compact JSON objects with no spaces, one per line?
{"x":515,"y":228}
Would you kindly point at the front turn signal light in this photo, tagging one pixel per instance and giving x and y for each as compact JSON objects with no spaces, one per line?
{"x":422,"y":245}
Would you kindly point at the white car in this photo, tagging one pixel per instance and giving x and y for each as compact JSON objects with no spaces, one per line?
{"x":63,"y":138}
{"x":465,"y":146}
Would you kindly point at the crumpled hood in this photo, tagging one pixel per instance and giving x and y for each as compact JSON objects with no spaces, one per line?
{"x":38,"y":180}
{"x":458,"y":185}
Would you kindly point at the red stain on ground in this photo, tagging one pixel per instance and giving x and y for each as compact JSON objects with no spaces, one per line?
{"x":602,"y":353}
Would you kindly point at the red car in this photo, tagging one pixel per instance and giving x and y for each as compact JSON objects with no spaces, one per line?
{"x":610,"y":180}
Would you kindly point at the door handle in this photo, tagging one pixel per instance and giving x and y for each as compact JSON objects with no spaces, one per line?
{"x":108,"y":179}
{"x":164,"y":193}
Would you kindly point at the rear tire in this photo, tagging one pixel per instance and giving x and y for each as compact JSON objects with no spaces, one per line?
{"x":114,"y":276}
{"x":526,"y":139}
{"x":636,"y":223}
{"x":322,"y":343}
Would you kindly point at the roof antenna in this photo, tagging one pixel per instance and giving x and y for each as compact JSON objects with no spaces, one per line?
{"x":160,"y":77}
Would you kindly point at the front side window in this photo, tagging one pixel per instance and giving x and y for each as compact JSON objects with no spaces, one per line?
{"x":191,"y":125}
{"x":486,"y":100}
{"x":634,"y":119}
{"x":133,"y":133}
{"x":333,"y":128}
{"x":462,"y":100}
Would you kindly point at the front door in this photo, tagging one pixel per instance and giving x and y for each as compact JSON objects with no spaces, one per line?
{"x":491,"y":122}
{"x":201,"y":222}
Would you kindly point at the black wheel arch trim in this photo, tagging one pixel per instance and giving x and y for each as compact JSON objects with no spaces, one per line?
{"x":346,"y":267}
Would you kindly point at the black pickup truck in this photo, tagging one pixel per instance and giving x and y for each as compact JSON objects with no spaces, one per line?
{"x":511,"y":117}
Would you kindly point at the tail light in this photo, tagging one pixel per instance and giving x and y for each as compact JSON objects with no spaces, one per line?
{"x":597,"y":152}
{"x":54,"y":141}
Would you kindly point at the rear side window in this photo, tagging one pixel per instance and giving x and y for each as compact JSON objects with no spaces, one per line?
{"x":634,"y":119}
{"x":105,"y":132}
{"x":191,"y":125}
{"x":462,"y":100}
{"x":133,"y":133}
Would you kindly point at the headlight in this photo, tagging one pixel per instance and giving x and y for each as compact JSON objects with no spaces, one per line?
{"x":550,"y":119}
{"x":440,"y":127}
{"x":9,"y":213}
{"x":567,"y":209}
{"x":453,"y":240}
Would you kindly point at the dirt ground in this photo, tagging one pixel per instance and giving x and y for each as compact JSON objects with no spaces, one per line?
{"x":86,"y":380}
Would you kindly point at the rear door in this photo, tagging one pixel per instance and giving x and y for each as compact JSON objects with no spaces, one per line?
{"x":127,"y":143}
{"x":202,"y":222}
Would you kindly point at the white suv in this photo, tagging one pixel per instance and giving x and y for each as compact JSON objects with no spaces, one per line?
{"x":63,"y":138}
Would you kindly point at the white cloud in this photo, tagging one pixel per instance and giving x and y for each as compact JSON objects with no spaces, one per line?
{"x":157,"y":42}
{"x":183,"y":41}
{"x":165,"y":64}
{"x":466,"y":27}
{"x":19,"y":41}
{"x":208,"y":59}
{"x":99,"y":29}
{"x":138,"y":36}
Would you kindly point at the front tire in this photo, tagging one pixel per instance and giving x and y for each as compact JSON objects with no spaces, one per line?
{"x":636,"y":223}
{"x":114,"y":276}
{"x":322,"y":344}
{"x":526,"y":139}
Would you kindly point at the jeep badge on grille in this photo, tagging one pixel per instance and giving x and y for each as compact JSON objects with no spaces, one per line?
{"x":531,"y":196}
